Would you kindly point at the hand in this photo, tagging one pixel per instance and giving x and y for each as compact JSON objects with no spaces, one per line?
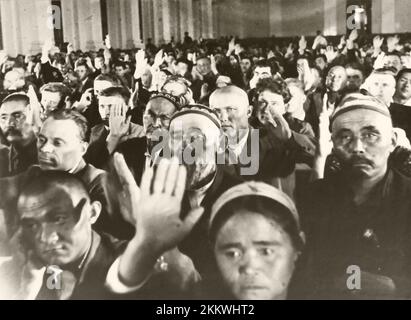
{"x":270,"y":54}
{"x":159,"y":225}
{"x":213,"y":64}
{"x":107,"y":42}
{"x":342,"y":43}
{"x":33,"y":111}
{"x":3,"y":57}
{"x":133,"y":96}
{"x":158,"y":59}
{"x":231,"y":46}
{"x":302,"y":44}
{"x":119,"y":125}
{"x":89,"y":63}
{"x":107,"y":56}
{"x":194,"y":58}
{"x":379,"y":62}
{"x":325,"y":144}
{"x":331,"y":54}
{"x":290,"y":50}
{"x":85,"y":100}
{"x":277,"y":124}
{"x":377,"y":43}
{"x":406,"y":61}
{"x":204,"y":90}
{"x":392,"y":42}
{"x":402,"y":139}
{"x":70,"y":48}
{"x":238,"y":49}
{"x":141,"y":64}
{"x":353,"y":35}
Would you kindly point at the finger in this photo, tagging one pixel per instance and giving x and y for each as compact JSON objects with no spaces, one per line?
{"x":180,"y":183}
{"x":128,"y":120}
{"x":172,"y":176}
{"x":192,"y":218}
{"x":122,"y":170}
{"x":161,"y":174}
{"x":146,"y":181}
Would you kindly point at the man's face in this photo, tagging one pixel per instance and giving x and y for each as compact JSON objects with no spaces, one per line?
{"x":269,"y":101}
{"x":320,"y":63}
{"x":194,"y":139}
{"x":50,"y":100}
{"x":120,"y":71}
{"x":298,"y":98}
{"x":403,"y":89}
{"x":100,"y":85}
{"x":59,"y":145}
{"x":181,"y":69}
{"x":82,"y":72}
{"x":336,"y":79}
{"x":392,"y":61}
{"x":13,"y":80}
{"x":363,"y":140}
{"x":355,"y":78}
{"x":382,"y":86}
{"x":146,"y":78}
{"x":105,"y":104}
{"x":98,"y":63}
{"x":56,"y":226}
{"x":203,"y":66}
{"x":262,"y":72}
{"x":157,"y":116}
{"x":255,"y":257}
{"x":13,"y":121}
{"x":233,"y":111}
{"x":245,"y":65}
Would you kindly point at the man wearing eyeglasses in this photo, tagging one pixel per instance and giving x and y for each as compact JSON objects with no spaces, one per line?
{"x":17,"y":129}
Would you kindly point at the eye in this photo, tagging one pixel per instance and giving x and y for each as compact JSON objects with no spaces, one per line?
{"x":266,"y":251}
{"x":29,"y":225}
{"x":59,"y":219}
{"x":58,"y":143}
{"x":233,"y":254}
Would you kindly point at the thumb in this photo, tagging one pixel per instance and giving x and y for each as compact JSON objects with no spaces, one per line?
{"x":192,"y":218}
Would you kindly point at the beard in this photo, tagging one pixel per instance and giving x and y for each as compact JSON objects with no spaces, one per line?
{"x":199,"y":175}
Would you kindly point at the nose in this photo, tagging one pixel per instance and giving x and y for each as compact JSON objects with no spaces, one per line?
{"x":46,"y":147}
{"x":249,"y":264}
{"x":48,"y":235}
{"x":11,"y":122}
{"x":223,"y":116}
{"x":357,"y":146}
{"x":157,"y":122}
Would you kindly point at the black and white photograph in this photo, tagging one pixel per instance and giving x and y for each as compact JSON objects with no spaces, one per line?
{"x":204,"y":155}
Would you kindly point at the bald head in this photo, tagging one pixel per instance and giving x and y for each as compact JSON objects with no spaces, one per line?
{"x":232,"y":106}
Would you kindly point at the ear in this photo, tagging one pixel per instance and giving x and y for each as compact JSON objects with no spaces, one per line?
{"x":84,"y":146}
{"x":95,"y":207}
{"x":394,"y":140}
{"x":249,"y":111}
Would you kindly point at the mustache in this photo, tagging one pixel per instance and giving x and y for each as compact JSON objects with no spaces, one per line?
{"x":13,"y":132}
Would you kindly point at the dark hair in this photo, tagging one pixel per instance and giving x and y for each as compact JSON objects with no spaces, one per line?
{"x":402,"y":72}
{"x":70,"y":114}
{"x":266,"y":207}
{"x":113,"y":79}
{"x":57,"y":87}
{"x":355,"y":66}
{"x":17,"y":97}
{"x":264,"y":64}
{"x":119,"y":63}
{"x":116,"y":91}
{"x":274,"y":86}
{"x":321,"y":56}
{"x":50,"y":179}
{"x":187,"y":62}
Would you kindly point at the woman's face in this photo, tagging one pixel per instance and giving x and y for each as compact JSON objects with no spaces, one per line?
{"x":255,"y":257}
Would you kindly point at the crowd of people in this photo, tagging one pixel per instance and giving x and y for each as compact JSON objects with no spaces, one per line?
{"x":208,"y":169}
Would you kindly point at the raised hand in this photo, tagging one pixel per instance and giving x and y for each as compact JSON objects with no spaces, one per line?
{"x":353,"y":35}
{"x":213,"y":64}
{"x":159,"y":59}
{"x":161,"y":225}
{"x":277,"y":124}
{"x":270,"y":54}
{"x":107,"y":42}
{"x":331,"y":54}
{"x":70,"y":48}
{"x":231,"y":46}
{"x":34,"y":111}
{"x":141,"y":63}
{"x":3,"y":57}
{"x":342,"y":43}
{"x":392,"y":42}
{"x":118,"y":123}
{"x":290,"y":50}
{"x":302,"y":45}
{"x":85,"y":100}
{"x":379,"y":62}
{"x":377,"y":43}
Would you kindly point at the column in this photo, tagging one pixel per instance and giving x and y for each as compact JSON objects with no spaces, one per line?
{"x":330,"y":17}
{"x":388,"y":16}
{"x":137,"y":35}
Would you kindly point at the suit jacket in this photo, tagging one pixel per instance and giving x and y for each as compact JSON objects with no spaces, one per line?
{"x":13,"y":162}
